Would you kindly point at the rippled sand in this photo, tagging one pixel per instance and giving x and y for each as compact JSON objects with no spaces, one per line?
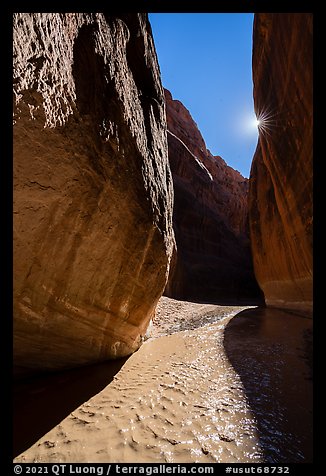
{"x":177,"y":399}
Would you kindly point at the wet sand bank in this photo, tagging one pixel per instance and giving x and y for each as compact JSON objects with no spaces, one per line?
{"x":182,"y":397}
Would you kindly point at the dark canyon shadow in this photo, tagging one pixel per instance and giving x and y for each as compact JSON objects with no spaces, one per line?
{"x":41,"y":402}
{"x":271,"y":350}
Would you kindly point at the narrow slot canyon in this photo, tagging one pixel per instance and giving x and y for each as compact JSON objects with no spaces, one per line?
{"x":162,"y":301}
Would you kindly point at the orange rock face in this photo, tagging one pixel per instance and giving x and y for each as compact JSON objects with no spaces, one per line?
{"x":92,"y":188}
{"x":210,"y":218}
{"x":280,"y":207}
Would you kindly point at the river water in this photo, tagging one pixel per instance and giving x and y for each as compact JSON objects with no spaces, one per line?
{"x":237,"y":389}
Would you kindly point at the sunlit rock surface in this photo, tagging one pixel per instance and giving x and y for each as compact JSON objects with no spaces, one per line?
{"x":280,"y":195}
{"x":210,"y":218}
{"x":92,"y":187}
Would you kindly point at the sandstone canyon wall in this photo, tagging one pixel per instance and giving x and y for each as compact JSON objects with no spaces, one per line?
{"x":212,"y":260}
{"x":281,"y":175}
{"x":92,"y":187}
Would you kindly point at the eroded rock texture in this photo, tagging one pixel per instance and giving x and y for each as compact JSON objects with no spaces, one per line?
{"x":92,"y":187}
{"x":210,"y":218}
{"x":281,"y":174}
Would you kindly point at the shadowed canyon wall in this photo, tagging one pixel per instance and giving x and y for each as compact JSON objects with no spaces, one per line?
{"x":93,"y":191}
{"x":280,"y":191}
{"x":212,"y":260}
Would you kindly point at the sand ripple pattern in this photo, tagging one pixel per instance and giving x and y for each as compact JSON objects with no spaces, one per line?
{"x":177,"y":399}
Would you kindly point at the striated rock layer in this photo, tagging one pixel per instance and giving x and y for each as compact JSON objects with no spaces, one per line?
{"x":92,"y":187}
{"x":210,"y":218}
{"x":280,"y":207}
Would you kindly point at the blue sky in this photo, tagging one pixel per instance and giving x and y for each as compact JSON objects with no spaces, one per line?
{"x":205,"y":61}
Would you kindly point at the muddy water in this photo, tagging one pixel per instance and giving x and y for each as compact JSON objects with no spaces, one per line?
{"x":186,"y":397}
{"x":271,"y":351}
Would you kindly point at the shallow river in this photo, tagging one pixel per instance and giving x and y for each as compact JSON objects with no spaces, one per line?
{"x":235,"y":390}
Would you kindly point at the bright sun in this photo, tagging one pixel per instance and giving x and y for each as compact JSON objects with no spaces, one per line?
{"x":260,"y":123}
{"x":266,"y":121}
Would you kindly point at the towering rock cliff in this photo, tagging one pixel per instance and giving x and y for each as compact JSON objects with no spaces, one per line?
{"x":281,"y":175}
{"x":92,"y":187}
{"x":210,"y":218}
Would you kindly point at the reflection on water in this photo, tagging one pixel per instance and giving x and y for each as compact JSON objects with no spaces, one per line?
{"x":236,"y":390}
{"x":270,"y":350}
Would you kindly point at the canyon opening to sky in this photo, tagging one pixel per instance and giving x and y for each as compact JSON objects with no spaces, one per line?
{"x":206,"y":63}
